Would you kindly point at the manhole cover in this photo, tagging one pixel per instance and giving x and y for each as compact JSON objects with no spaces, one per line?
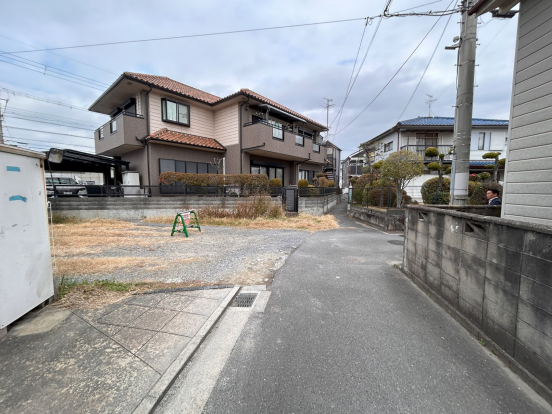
{"x":397,"y":242}
{"x":244,"y":300}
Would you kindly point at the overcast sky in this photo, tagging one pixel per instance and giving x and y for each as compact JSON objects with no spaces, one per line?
{"x":296,"y":67}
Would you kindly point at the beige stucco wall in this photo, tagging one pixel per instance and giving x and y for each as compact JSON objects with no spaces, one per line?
{"x":227,"y":125}
{"x":202,"y":118}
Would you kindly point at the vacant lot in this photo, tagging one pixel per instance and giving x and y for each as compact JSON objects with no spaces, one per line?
{"x":121,"y":251}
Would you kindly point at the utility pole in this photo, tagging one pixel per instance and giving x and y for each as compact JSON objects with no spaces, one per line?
{"x":429,"y":102}
{"x":1,"y":130}
{"x":464,"y":107}
{"x":327,"y":106}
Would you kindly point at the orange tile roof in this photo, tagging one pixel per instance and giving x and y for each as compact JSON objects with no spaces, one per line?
{"x":174,"y":86}
{"x":180,"y":88}
{"x":182,"y":138}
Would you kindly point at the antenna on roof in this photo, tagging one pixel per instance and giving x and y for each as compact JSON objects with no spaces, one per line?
{"x":429,"y":102}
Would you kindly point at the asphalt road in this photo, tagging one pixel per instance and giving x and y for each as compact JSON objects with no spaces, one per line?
{"x":344,"y":332}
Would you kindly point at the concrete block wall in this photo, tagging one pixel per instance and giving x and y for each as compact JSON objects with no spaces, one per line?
{"x":496,"y":273}
{"x":318,"y":205}
{"x":391,"y":219}
{"x":138,"y":208}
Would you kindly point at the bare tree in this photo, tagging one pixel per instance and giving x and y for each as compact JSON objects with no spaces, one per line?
{"x":372,"y":153}
{"x":217,"y":164}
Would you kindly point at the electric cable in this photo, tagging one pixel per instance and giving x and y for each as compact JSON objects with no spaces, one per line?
{"x":49,"y":74}
{"x":50,"y":142}
{"x":49,"y":132}
{"x":50,"y":123}
{"x":43,"y":115}
{"x":393,"y":77}
{"x":38,"y":98}
{"x":426,"y":68}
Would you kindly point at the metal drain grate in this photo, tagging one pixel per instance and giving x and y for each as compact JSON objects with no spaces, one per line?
{"x":244,"y":300}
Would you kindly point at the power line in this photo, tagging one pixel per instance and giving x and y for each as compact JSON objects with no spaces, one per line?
{"x":61,"y":72}
{"x":52,"y":142}
{"x":38,"y":98}
{"x":393,"y":77}
{"x":49,"y":74}
{"x":25,"y":111}
{"x":50,"y":132}
{"x":425,"y":70}
{"x":50,"y":123}
{"x":190,"y":36}
{"x":64,"y":57}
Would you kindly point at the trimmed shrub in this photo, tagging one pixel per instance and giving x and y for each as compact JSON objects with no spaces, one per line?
{"x":433,"y":166}
{"x":374,"y":197}
{"x":484,"y":176}
{"x":303,"y":183}
{"x":353,"y":181}
{"x":331,"y":183}
{"x":432,"y":152}
{"x":318,"y":175}
{"x":323,"y":182}
{"x":479,"y":195}
{"x":429,"y":191}
{"x":249,"y":181}
{"x":275,"y":182}
{"x":362,"y":181}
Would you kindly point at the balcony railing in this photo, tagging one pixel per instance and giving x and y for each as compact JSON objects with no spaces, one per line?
{"x":420,"y":149}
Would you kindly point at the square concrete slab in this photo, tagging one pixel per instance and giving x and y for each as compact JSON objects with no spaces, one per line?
{"x":175,"y":302}
{"x":214,"y":293}
{"x":192,"y":293}
{"x":185,"y":324}
{"x":123,"y":315}
{"x":153,"y":319}
{"x":162,"y":350}
{"x":146,"y":300}
{"x":133,"y":338}
{"x":108,"y":330}
{"x":202,"y":306}
{"x":92,"y":315}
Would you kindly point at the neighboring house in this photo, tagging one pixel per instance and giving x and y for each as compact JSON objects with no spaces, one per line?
{"x":351,"y":167}
{"x":420,"y":133}
{"x":158,"y":125}
{"x":333,"y":162}
{"x":528,"y":182}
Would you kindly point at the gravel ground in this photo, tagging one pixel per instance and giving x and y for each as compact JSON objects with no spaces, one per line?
{"x":221,"y":255}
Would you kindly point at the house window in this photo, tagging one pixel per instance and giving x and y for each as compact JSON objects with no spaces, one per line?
{"x":299,"y":140}
{"x":189,"y":167}
{"x":306,"y":134}
{"x":388,"y":147}
{"x":277,"y":130}
{"x":175,"y":112}
{"x":113,"y":126}
{"x":315,"y":147}
{"x":100,"y":134}
{"x":329,"y":151}
{"x":271,"y":172}
{"x":427,"y":139}
{"x":481,"y":144}
{"x":307,"y":175}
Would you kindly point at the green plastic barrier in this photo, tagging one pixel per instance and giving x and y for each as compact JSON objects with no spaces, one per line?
{"x":182,"y":222}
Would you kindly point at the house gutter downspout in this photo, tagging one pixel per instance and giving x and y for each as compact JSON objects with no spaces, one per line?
{"x":240,"y":134}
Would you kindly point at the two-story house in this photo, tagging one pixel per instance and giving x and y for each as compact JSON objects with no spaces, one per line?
{"x":158,"y":125}
{"x":420,"y":133}
{"x":333,"y":160}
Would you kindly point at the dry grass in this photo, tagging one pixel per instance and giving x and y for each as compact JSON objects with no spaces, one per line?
{"x":299,"y":222}
{"x":83,"y":266}
{"x":92,"y":295}
{"x":96,"y":236}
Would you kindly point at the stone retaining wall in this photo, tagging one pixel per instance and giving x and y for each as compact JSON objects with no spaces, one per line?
{"x":318,"y":205}
{"x":496,"y":274}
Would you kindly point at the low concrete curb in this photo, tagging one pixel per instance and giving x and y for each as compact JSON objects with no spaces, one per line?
{"x":157,"y":392}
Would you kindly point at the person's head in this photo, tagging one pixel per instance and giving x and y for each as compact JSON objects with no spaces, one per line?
{"x":492,"y":193}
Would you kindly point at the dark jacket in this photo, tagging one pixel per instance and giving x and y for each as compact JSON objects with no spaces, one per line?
{"x":495,"y":202}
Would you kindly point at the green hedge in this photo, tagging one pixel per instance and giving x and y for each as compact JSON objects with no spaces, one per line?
{"x":246,"y":181}
{"x":429,"y":191}
{"x":374,"y":197}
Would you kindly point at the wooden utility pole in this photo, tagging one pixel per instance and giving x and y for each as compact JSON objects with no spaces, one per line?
{"x":464,"y":107}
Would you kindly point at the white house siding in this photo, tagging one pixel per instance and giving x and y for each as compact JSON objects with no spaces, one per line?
{"x":202,"y":118}
{"x":528,"y":191}
{"x":227,"y":125}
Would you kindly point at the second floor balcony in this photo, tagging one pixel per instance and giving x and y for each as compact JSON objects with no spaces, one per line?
{"x":420,"y":149}
{"x":277,"y":142}
{"x":118,"y":136}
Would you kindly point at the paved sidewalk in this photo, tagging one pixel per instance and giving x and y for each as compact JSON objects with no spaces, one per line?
{"x":117,"y":359}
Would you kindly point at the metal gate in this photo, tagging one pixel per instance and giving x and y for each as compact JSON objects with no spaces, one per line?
{"x":292,"y":199}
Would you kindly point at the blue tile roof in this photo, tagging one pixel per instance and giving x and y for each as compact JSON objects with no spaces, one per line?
{"x":481,"y":163}
{"x":445,"y":121}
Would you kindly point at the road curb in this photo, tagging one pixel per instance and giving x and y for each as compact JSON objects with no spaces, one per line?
{"x":157,"y":392}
